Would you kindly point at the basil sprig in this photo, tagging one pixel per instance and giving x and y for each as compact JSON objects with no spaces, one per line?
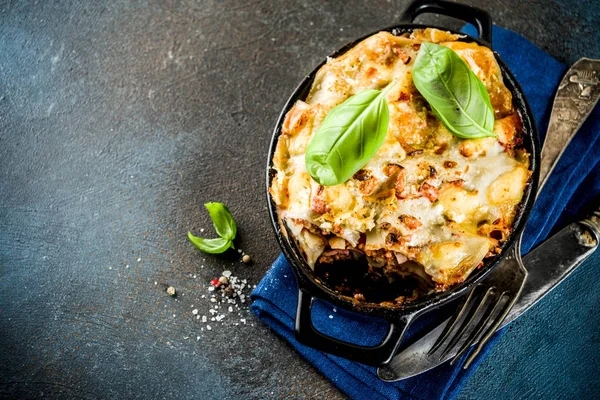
{"x":224,"y":225}
{"x":455,"y":94}
{"x":348,"y":137}
{"x":353,"y":131}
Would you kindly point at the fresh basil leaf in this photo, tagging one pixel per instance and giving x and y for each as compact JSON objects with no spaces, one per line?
{"x":348,"y":137}
{"x":224,"y":225}
{"x":455,"y":94}
{"x":222,"y":220}
{"x":212,"y":246}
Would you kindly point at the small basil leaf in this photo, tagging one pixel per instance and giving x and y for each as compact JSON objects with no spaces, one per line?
{"x":348,"y":137}
{"x":222,"y":220}
{"x":455,"y":94}
{"x":212,"y":246}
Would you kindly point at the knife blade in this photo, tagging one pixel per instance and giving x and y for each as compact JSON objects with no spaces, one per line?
{"x":548,"y":265}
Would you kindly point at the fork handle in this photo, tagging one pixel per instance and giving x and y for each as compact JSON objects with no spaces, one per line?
{"x":577,"y":94}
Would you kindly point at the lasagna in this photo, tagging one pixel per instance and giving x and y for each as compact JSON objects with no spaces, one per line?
{"x":429,"y":207}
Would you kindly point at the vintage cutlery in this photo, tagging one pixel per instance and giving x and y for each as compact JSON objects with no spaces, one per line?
{"x":490,"y":305}
{"x":548,"y":264}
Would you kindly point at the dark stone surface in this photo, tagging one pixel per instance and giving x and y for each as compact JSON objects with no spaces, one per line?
{"x":118,"y":120}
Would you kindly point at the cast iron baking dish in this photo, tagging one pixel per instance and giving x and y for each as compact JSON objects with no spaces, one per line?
{"x":401,"y":316}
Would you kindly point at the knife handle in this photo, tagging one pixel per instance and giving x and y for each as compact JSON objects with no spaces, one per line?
{"x":554,"y":260}
{"x":593,"y":222}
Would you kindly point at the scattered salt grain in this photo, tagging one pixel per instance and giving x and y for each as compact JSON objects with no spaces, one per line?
{"x":334,"y":309}
{"x":139,"y":259}
{"x":331,"y":317}
{"x":197,"y":337}
{"x":226,"y":290}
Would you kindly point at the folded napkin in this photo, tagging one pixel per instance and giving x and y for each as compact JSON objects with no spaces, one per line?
{"x":574,"y":185}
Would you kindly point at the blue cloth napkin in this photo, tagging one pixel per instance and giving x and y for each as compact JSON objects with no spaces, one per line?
{"x":573,"y":187}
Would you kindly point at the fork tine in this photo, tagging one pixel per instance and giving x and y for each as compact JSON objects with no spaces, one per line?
{"x":475,"y":311}
{"x":454,"y":321}
{"x":487,"y":317}
{"x":488,"y":334}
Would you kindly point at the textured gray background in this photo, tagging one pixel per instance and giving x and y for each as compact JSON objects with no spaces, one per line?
{"x":118,"y":120}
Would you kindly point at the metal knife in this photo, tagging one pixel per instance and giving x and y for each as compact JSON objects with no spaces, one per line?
{"x":576,"y":97}
{"x":548,"y":265}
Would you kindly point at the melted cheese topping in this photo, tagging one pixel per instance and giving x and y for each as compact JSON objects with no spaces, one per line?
{"x":426,"y":195}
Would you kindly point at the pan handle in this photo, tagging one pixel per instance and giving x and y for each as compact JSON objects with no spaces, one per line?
{"x":377,"y":355}
{"x":476,"y":16}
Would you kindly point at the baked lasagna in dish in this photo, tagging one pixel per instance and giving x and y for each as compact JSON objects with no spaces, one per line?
{"x":429,"y":207}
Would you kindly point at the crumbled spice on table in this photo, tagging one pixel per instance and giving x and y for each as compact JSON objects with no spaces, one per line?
{"x":229,"y":291}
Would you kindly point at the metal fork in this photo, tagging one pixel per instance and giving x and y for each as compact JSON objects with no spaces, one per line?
{"x":484,"y":309}
{"x":488,"y":304}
